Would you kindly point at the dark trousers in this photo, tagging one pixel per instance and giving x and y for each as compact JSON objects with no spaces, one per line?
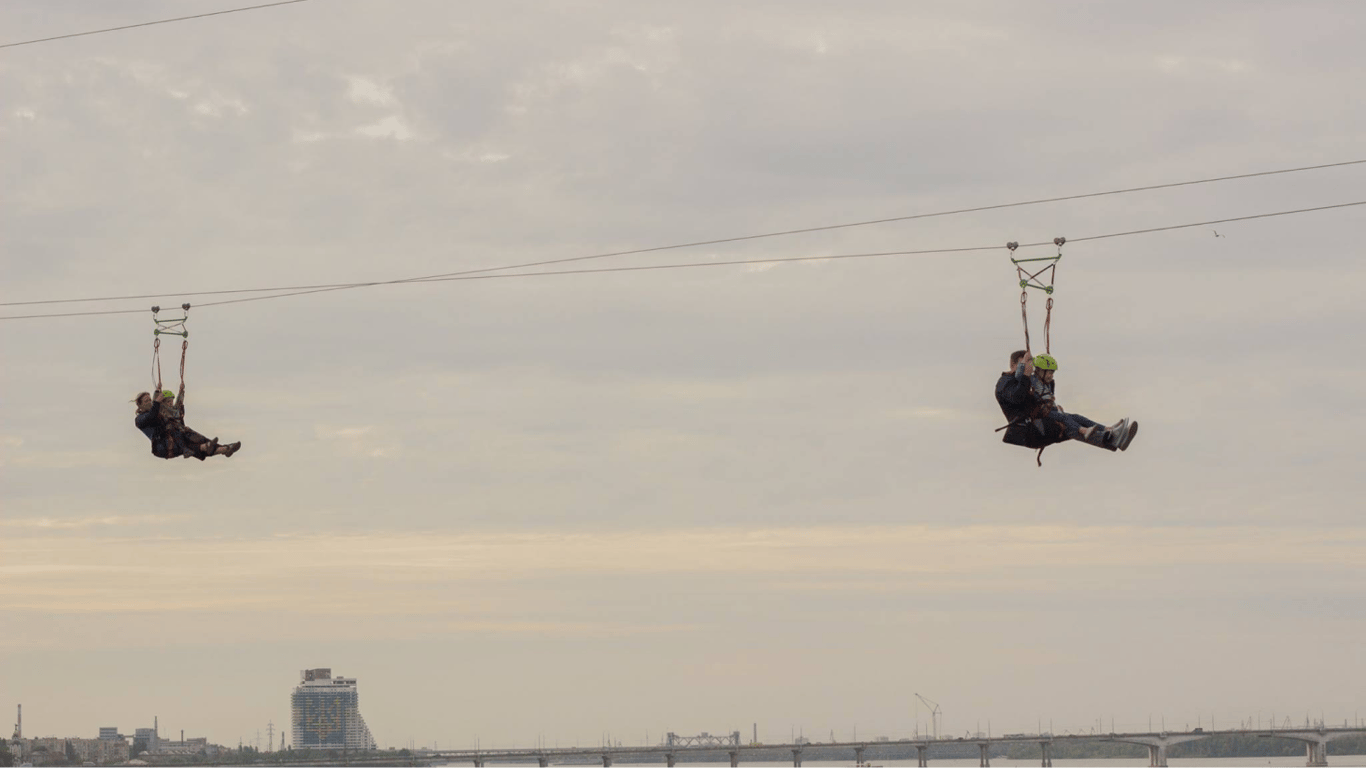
{"x":1070,"y":426}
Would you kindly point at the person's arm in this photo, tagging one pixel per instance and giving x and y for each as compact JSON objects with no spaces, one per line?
{"x":180,"y":398}
{"x":1015,"y":391}
{"x":148,"y":418}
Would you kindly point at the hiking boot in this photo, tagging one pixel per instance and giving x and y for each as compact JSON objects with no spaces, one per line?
{"x":232,"y":448}
{"x":1128,"y":436}
{"x":1114,"y":434}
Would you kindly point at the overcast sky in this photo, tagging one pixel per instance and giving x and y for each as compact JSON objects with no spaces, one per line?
{"x":690,"y":499}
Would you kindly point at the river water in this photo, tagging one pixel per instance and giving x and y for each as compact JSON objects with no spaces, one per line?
{"x":1297,"y":761}
{"x":1212,"y":762}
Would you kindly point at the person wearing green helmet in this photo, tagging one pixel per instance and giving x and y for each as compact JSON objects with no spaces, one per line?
{"x":1027,"y":396}
{"x":161,"y":417}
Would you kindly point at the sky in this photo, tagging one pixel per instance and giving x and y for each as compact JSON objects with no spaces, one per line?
{"x":741,"y":497}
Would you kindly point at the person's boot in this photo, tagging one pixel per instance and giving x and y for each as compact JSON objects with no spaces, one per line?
{"x":1098,"y":436}
{"x":1128,"y":436}
{"x":232,"y":448}
{"x":1114,"y":435}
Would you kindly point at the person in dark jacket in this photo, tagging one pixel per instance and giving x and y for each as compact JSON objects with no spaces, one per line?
{"x":1013,"y":388}
{"x":1027,"y":396}
{"x":161,"y":417}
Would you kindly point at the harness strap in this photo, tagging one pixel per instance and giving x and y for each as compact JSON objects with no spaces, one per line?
{"x":174,"y":326}
{"x":1047,"y":336}
{"x":1031,"y":278}
{"x":156,"y":364}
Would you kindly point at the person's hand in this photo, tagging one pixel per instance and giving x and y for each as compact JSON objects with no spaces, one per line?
{"x":1029,"y":366}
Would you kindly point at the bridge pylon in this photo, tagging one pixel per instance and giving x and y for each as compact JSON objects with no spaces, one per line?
{"x":1315,"y":743}
{"x":1156,"y":744}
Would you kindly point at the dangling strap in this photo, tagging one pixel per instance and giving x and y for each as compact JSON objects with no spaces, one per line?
{"x":156,"y":364}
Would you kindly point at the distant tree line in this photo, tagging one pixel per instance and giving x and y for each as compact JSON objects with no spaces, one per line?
{"x":1224,"y":745}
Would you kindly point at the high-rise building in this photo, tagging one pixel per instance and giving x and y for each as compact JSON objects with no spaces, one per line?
{"x":325,"y":712}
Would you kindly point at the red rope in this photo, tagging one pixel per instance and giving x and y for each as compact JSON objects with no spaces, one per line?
{"x":156,"y":363}
{"x":1024,"y":317}
{"x":185,"y":345}
{"x":1047,"y":337}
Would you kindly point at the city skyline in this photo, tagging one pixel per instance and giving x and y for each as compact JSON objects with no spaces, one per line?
{"x":359,"y":736}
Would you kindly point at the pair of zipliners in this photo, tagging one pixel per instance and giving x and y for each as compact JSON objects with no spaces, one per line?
{"x":1027,"y":396}
{"x":161,"y":416}
{"x":1026,"y":390}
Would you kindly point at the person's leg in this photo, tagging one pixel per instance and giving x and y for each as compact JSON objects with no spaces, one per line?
{"x":1089,"y":430}
{"x":1077,"y":427}
{"x":227,"y":449}
{"x":1115,"y":437}
{"x":197,"y":445}
{"x":1083,"y":421}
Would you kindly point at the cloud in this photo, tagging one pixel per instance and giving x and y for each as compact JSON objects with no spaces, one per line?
{"x":392,"y":127}
{"x":751,"y":448}
{"x":359,"y":441}
{"x":1180,"y":64}
{"x":935,"y":414}
{"x":364,"y":90}
{"x":396,"y":573}
{"x":109,"y":521}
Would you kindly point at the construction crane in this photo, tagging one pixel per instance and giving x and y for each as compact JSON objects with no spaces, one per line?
{"x":934,"y":714}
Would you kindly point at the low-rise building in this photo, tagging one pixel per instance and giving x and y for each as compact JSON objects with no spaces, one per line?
{"x":52,"y":749}
{"x":100,"y":751}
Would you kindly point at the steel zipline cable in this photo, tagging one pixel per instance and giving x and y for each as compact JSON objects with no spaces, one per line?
{"x":487,"y":273}
{"x":149,"y":23}
{"x":304,"y":289}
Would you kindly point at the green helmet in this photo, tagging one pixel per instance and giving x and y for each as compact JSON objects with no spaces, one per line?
{"x":1045,"y":363}
{"x":167,"y":394}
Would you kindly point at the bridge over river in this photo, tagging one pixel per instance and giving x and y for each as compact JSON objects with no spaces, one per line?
{"x":1315,"y":741}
